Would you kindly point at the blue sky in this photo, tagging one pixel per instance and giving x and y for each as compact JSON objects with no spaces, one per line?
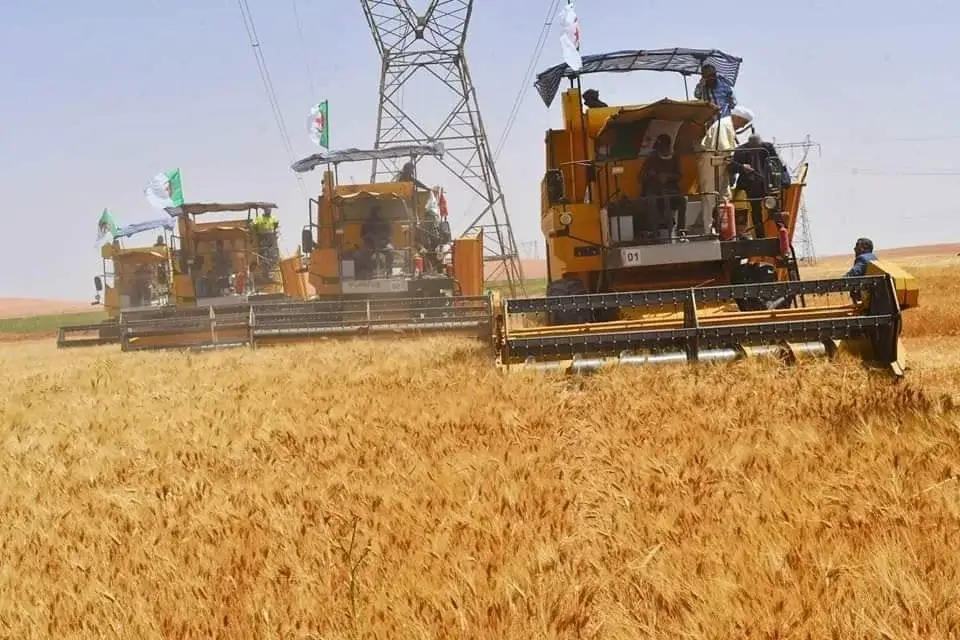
{"x":99,"y":96}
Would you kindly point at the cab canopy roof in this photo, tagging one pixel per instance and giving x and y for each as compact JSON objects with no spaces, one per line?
{"x":667,"y":110}
{"x":140,"y":227}
{"x":358,"y":196}
{"x":200,"y":208}
{"x":686,"y":62}
{"x":311,"y":162}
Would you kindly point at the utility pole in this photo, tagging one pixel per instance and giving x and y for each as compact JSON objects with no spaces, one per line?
{"x":431,"y":46}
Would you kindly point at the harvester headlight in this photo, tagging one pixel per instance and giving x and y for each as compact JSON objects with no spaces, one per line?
{"x":566,"y":218}
{"x":770,"y":202}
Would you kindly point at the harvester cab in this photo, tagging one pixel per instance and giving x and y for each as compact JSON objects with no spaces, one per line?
{"x":132,"y":278}
{"x":378,"y":239}
{"x":225,"y":259}
{"x":649,"y":262}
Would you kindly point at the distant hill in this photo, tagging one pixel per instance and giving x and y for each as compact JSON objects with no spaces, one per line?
{"x":26,"y":307}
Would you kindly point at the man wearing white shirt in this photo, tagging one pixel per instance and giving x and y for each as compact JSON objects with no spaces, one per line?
{"x":719,"y":142}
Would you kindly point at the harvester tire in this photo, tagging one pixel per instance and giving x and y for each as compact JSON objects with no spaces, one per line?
{"x":568,"y":287}
{"x":754,"y":274}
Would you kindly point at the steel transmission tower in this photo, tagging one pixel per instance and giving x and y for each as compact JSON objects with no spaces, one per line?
{"x":805,"y":245}
{"x":431,"y":45}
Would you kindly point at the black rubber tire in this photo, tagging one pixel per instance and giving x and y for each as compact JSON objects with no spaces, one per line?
{"x":568,"y":287}
{"x":754,"y":274}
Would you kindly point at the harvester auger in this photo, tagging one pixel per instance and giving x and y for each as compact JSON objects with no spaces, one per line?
{"x":646,"y":269}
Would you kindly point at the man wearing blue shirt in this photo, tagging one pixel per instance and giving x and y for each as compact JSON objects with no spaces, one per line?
{"x":862,"y":256}
{"x":716,"y":89}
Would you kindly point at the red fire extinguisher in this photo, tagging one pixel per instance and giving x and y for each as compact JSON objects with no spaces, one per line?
{"x":784,"y":240}
{"x":418,"y":264}
{"x":728,"y":220}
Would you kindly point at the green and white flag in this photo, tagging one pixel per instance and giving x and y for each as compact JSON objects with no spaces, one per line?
{"x":319,"y":125}
{"x":105,"y":225}
{"x":165,"y":190}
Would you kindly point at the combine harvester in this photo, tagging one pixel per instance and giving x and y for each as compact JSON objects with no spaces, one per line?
{"x":373,"y":265}
{"x":376,"y":260}
{"x":133,"y":278}
{"x":221,"y":266}
{"x":625,"y":289}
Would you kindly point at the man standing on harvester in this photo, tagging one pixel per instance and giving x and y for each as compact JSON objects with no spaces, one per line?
{"x":749,"y":165}
{"x":375,"y":233}
{"x":715,"y":151}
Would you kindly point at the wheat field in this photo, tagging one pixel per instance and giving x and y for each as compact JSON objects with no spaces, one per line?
{"x":367,"y":490}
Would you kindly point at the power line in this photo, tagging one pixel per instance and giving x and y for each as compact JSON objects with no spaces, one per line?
{"x":928,"y":174}
{"x":306,"y":53}
{"x":932,"y":138}
{"x":524,"y":85}
{"x":251,"y":28}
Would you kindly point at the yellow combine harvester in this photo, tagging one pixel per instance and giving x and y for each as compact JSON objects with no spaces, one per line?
{"x":626,"y":287}
{"x":376,"y":260}
{"x":133,"y":278}
{"x":221,"y":266}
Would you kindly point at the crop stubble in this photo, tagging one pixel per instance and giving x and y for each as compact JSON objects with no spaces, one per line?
{"x":360,"y":490}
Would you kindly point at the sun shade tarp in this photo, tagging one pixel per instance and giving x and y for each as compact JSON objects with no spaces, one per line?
{"x":686,"y":62}
{"x":311,"y":162}
{"x":198,"y":208}
{"x":666,"y":109}
{"x":146,"y":225}
{"x":366,"y":195}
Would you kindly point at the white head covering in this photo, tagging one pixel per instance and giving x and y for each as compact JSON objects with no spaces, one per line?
{"x":742,"y":112}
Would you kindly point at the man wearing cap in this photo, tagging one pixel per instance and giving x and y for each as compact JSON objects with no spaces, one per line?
{"x":716,"y":89}
{"x":715,"y":151}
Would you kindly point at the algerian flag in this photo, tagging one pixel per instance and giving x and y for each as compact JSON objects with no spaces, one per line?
{"x":105,"y":225}
{"x":570,"y":37}
{"x":319,"y":125}
{"x":165,"y":190}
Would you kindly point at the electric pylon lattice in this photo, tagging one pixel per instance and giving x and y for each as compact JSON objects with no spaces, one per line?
{"x":430,"y":45}
{"x":804,"y":245}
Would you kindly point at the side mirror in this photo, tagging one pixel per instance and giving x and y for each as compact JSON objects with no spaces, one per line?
{"x":306,"y":240}
{"x":555,"y":188}
{"x":98,"y":283}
